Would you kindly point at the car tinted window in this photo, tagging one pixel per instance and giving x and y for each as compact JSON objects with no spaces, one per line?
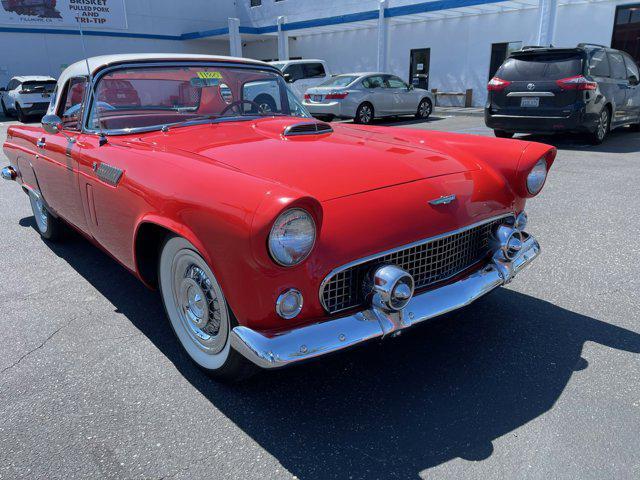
{"x":618,"y":69}
{"x":339,"y":81}
{"x":632,"y":67}
{"x":541,"y":66}
{"x":13,"y":84}
{"x":294,"y":71}
{"x":599,"y":64}
{"x":313,"y":70}
{"x":373,"y":82}
{"x":38,"y":87}
{"x":395,"y":82}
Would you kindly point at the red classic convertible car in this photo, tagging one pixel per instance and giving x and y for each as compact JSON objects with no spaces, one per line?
{"x":272,"y":237}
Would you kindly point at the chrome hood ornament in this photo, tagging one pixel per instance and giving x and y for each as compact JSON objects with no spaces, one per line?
{"x":444,"y":200}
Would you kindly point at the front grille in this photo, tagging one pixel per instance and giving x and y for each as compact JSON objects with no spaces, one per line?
{"x":429,"y":262}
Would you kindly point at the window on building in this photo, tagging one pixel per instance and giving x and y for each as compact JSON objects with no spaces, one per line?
{"x":499,"y":53}
{"x":599,"y":64}
{"x":313,"y":70}
{"x":618,"y":68}
{"x":626,"y":30}
{"x":256,"y":3}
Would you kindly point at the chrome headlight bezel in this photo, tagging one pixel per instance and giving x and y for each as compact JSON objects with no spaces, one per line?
{"x":537,"y":177}
{"x":277,"y":250}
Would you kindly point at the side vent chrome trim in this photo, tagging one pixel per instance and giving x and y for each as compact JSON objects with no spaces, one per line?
{"x":107,"y":173}
{"x":307,"y":128}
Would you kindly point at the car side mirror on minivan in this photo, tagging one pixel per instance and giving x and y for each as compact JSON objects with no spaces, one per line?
{"x":633,"y":80}
{"x":288,"y":78}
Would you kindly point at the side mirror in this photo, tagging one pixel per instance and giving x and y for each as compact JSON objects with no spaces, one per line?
{"x":288,"y":78}
{"x":410,"y":87}
{"x":633,"y":80}
{"x":52,"y":124}
{"x":2,"y":89}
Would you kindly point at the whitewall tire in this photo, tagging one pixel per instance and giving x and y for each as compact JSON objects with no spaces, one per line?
{"x":198,"y":311}
{"x":49,"y":227}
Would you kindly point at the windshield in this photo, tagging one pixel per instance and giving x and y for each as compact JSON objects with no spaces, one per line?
{"x":39,"y":86}
{"x":340,"y":81}
{"x":153,"y":97}
{"x":548,"y":66}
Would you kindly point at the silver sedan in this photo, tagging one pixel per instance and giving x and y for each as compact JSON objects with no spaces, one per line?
{"x":365,"y":96}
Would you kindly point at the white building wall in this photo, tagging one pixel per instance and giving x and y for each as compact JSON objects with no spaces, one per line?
{"x":47,"y":54}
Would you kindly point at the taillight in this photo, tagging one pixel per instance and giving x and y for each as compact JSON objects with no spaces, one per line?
{"x":497,"y":84}
{"x":576,"y":83}
{"x":337,"y":96}
{"x":307,"y":96}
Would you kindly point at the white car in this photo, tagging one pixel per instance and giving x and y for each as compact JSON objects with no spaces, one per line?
{"x":368,"y":95}
{"x":303,"y":74}
{"x":27,"y":96}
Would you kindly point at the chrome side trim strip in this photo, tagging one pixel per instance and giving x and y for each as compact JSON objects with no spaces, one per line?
{"x":397,"y":249}
{"x":312,"y":341}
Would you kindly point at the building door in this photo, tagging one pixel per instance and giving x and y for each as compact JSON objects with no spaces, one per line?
{"x":626,"y":30}
{"x":419,"y":68}
{"x":499,"y":53}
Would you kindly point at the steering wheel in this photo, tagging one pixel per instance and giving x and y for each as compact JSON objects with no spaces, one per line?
{"x":237,"y":103}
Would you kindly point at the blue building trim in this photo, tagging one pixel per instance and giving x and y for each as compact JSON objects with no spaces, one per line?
{"x":423,"y":7}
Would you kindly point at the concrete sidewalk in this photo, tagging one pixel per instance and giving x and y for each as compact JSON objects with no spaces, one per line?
{"x":450,"y":111}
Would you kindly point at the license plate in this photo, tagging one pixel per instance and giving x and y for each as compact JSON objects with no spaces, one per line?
{"x":316,"y":98}
{"x":530,"y":102}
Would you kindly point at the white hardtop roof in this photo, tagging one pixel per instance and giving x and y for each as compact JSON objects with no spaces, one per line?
{"x":33,"y":78}
{"x":79,"y":68}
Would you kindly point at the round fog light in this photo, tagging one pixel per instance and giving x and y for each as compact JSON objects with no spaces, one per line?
{"x":392,"y":288}
{"x":513,"y":245}
{"x":289,"y":304}
{"x":521,"y":221}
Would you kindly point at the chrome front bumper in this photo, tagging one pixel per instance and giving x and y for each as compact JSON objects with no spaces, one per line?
{"x":318,"y":339}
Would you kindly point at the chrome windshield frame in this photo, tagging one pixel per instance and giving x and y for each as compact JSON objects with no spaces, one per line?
{"x":154,"y":64}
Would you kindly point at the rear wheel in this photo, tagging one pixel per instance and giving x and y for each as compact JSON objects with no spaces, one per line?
{"x":49,"y":227}
{"x":602,"y":127}
{"x":20,"y":114}
{"x":424,"y":108}
{"x":503,"y":134}
{"x":364,"y":114}
{"x":198,"y":311}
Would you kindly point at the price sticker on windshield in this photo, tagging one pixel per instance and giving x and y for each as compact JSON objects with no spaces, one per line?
{"x":209,"y":75}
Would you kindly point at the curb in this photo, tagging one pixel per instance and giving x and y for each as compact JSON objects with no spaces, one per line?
{"x":459,"y":112}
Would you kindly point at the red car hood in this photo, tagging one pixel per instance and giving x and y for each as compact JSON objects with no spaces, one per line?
{"x":348,"y":161}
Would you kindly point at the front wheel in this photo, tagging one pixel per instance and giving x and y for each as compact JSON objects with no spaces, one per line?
{"x":49,"y":227}
{"x":198,"y":311}
{"x":503,"y":134}
{"x":424,"y":109}
{"x":5,"y":112}
{"x":364,"y":114}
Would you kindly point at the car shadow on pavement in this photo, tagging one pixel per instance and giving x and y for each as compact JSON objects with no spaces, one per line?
{"x":389,"y":409}
{"x":620,"y":140}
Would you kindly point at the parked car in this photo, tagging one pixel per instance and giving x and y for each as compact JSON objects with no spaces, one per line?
{"x":258,"y":227}
{"x":303,"y":74}
{"x":26,"y":96}
{"x":588,"y":89}
{"x":365,"y":96}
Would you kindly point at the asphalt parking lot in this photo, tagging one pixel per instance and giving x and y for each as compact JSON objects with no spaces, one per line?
{"x":538,"y":380}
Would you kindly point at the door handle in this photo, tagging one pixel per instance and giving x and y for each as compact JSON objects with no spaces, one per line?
{"x":41,"y":143}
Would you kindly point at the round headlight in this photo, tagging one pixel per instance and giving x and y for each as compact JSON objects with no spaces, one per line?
{"x":537,"y":176}
{"x":292,"y":237}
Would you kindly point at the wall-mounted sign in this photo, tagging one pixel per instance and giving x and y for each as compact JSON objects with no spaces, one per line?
{"x":64,"y":13}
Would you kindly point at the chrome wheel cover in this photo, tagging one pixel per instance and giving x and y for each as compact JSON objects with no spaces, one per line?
{"x":199,"y":303}
{"x":365,"y":114}
{"x":39,"y":212}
